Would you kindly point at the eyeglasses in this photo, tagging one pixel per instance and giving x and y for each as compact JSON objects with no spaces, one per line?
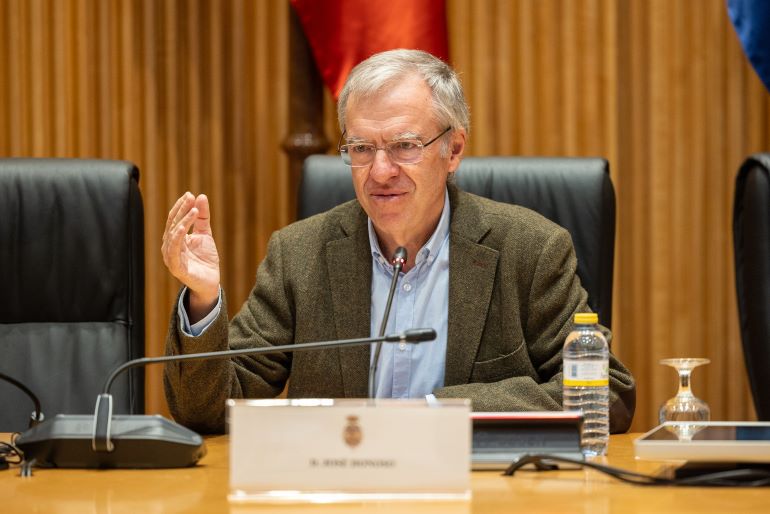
{"x":403,"y":151}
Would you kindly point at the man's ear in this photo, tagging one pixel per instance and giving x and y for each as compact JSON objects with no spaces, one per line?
{"x":456,"y":149}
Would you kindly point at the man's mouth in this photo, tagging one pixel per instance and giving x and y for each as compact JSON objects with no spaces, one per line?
{"x":387,"y":195}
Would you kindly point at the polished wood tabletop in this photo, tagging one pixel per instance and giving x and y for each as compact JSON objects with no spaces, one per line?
{"x":204,"y":488}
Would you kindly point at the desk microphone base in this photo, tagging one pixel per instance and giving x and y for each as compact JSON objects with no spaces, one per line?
{"x":65,"y":441}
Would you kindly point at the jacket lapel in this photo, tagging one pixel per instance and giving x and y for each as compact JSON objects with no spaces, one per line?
{"x":349,"y":265}
{"x":472,"y":269}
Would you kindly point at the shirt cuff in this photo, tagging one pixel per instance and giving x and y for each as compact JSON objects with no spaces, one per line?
{"x":201,"y":326}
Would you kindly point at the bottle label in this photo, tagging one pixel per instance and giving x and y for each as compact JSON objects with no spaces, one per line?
{"x":586,"y":373}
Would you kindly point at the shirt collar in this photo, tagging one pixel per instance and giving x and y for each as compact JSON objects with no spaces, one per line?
{"x":428,"y":252}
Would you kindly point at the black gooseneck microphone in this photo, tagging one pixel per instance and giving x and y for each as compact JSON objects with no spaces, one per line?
{"x":399,"y":259}
{"x":37,"y":414}
{"x":105,"y":440}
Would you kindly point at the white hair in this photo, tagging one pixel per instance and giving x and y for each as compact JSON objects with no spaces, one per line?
{"x":384,"y":69}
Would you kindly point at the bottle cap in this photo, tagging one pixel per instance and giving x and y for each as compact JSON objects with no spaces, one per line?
{"x":586,"y":318}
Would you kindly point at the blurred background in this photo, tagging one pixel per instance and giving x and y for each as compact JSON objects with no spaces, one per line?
{"x":203,"y":96}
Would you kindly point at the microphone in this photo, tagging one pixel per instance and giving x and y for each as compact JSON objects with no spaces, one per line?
{"x":105,"y":440}
{"x":399,"y":258}
{"x":37,"y":414}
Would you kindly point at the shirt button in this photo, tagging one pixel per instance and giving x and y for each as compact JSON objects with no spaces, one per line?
{"x":407,"y":287}
{"x":402,"y":346}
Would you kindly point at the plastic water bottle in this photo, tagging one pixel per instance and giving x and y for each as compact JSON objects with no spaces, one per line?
{"x":586,"y":381}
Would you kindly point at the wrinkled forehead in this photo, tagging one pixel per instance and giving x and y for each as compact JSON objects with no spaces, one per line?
{"x":395,"y":137}
{"x":404,"y":95}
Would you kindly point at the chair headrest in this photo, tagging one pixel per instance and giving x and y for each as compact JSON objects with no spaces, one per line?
{"x":59,"y":257}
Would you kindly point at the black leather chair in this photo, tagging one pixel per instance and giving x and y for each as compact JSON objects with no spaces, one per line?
{"x":71,"y":285}
{"x":576,"y":193}
{"x":751,"y":243}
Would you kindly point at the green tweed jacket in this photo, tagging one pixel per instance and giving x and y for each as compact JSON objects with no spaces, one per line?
{"x":513,"y":292}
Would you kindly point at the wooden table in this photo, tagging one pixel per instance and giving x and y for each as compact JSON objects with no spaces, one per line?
{"x":204,"y":489}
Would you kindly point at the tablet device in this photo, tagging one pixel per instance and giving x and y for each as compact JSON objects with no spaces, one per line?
{"x":711,"y":441}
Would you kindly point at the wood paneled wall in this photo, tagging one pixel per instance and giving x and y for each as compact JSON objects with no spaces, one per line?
{"x":196,"y":93}
{"x":662,"y":89}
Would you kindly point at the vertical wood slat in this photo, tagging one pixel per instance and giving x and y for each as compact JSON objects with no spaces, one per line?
{"x":238,"y":178}
{"x":570,"y":86}
{"x":18,"y":62}
{"x":504,"y":96}
{"x":283,"y":208}
{"x":39,"y":75}
{"x":150,"y":53}
{"x":196,"y":93}
{"x":632,"y":266}
{"x":262,"y":21}
{"x":525,"y":114}
{"x":5,"y":57}
{"x":720,"y":187}
{"x":482,"y":35}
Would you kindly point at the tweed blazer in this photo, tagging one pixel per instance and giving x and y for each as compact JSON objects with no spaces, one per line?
{"x":513,"y":292}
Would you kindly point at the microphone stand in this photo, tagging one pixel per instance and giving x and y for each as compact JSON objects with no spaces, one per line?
{"x":103,"y":411}
{"x":147,"y":441}
{"x":399,"y":258}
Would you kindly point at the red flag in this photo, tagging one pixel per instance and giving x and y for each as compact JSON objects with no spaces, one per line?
{"x":343,"y":33}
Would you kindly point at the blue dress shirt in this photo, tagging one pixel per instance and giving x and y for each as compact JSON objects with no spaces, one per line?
{"x":421,"y":300}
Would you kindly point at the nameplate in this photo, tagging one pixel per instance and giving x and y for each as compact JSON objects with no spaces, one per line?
{"x":323,"y":450}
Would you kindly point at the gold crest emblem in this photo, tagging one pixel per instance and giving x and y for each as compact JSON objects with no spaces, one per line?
{"x":352,"y":433}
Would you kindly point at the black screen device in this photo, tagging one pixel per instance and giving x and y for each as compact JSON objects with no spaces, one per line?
{"x":500,"y":438}
{"x":738,"y":469}
{"x":105,"y":440}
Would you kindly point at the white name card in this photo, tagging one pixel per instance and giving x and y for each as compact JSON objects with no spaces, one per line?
{"x":322,"y":450}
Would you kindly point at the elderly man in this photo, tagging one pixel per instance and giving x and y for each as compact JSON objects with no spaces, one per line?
{"x":497,"y":282}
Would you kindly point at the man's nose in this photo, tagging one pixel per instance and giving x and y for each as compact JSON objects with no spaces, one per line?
{"x":383,"y":167}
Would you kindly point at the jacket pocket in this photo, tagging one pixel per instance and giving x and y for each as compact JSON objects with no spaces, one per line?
{"x":499,"y":368}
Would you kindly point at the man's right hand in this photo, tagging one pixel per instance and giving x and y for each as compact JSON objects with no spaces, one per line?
{"x":191,"y":255}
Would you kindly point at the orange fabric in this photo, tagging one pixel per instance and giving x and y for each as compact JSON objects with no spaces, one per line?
{"x":343,"y":33}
